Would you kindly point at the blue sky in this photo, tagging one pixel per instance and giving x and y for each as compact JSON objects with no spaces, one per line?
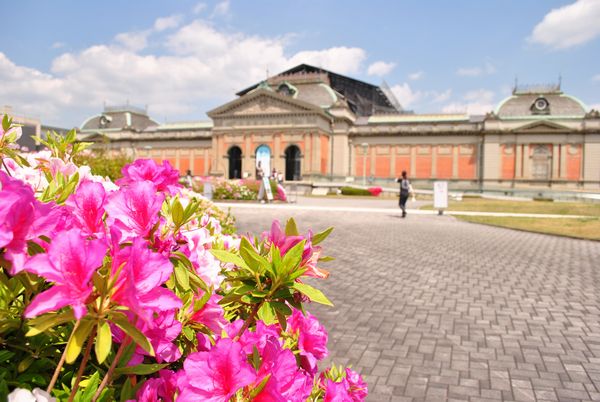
{"x":62,"y":60}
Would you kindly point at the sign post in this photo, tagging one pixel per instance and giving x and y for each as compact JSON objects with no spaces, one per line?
{"x":440,"y":196}
{"x":267,"y":186}
{"x":208,"y":191}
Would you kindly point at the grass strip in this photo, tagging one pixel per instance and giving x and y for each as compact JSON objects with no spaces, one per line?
{"x":523,"y":207}
{"x":580,"y":228}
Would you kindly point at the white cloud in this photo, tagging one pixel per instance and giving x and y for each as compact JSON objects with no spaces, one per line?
{"x":380,"y":68}
{"x":58,"y":45}
{"x":198,"y":8}
{"x":221,"y":9}
{"x":343,"y":60}
{"x":409,"y":97}
{"x":596,"y":78}
{"x":133,"y":40}
{"x":416,"y":75}
{"x":164,"y":23}
{"x":442,"y":96}
{"x":203,"y":67}
{"x":480,"y":101}
{"x":568,"y":26}
{"x":487,"y":69}
{"x":594,"y":106}
{"x":406,"y":95}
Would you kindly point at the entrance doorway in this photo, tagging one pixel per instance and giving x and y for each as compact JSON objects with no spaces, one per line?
{"x":263,"y":159}
{"x":235,"y":162}
{"x":292,"y":163}
{"x":541,"y":165}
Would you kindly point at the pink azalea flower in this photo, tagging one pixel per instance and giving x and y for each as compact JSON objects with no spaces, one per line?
{"x":207,"y":266}
{"x":215,"y":375}
{"x":135,"y":209}
{"x":141,"y":274}
{"x":164,"y":177}
{"x":278,"y":238}
{"x":357,"y":387}
{"x":336,"y":391}
{"x":23,"y":218}
{"x":87,"y":206}
{"x":211,"y":315}
{"x":162,"y":388}
{"x":259,"y":337}
{"x":162,"y":331}
{"x":286,"y":382}
{"x":310,"y":255}
{"x":70,"y":263}
{"x":312,"y":338}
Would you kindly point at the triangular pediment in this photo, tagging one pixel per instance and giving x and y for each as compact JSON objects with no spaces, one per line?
{"x":543,"y":126}
{"x":263,"y":102}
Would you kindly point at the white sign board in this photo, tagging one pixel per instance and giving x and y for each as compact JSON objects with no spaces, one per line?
{"x":208,"y":191}
{"x":267,"y":186}
{"x":440,"y":195}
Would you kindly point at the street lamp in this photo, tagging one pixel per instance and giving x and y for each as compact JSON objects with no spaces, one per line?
{"x":365,"y":147}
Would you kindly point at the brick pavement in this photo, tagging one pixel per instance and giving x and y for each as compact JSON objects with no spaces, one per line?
{"x":431,"y":309}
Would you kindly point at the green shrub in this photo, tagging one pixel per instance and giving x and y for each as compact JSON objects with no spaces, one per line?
{"x":355,"y":191}
{"x":103,"y":163}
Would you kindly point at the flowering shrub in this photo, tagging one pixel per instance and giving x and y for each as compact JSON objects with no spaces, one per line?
{"x":131,"y":291}
{"x":375,"y":191}
{"x":233,"y":190}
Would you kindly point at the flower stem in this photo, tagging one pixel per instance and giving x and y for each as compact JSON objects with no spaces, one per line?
{"x":61,"y":361}
{"x":248,"y":321}
{"x":86,"y":356}
{"x":111,"y":369}
{"x":6,"y":168}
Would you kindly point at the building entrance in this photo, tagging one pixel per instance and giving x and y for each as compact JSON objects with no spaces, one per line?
{"x":292,"y":163}
{"x":235,"y":162}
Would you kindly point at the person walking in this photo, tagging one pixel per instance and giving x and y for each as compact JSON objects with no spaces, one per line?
{"x":404,"y":191}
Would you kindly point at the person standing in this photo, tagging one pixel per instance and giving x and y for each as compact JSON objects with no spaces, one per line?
{"x":188,"y":179}
{"x":404,"y":191}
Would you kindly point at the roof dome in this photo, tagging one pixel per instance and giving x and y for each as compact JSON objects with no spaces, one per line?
{"x":539,"y":103}
{"x":119,"y":118}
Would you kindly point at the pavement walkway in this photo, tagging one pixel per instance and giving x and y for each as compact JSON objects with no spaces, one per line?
{"x":381,"y":206}
{"x":431,"y":308}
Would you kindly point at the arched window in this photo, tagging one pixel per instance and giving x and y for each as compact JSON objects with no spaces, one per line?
{"x":293,"y":160}
{"x":263,"y":159}
{"x":235,"y":162}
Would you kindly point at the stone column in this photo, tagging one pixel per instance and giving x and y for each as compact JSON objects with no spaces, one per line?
{"x":555,"y":161}
{"x":413,"y":160}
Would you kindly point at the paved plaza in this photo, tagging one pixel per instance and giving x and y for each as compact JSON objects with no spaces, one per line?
{"x":429,"y":308}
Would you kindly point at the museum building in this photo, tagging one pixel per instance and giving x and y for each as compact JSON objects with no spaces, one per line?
{"x":315,"y":125}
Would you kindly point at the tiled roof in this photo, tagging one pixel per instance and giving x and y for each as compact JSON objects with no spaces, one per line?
{"x":417,"y":118}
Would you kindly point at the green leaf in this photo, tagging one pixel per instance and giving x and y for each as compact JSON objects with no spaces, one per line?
{"x":91,"y":386}
{"x":319,"y":237}
{"x":24,"y":364}
{"x":6,"y":123}
{"x":188,"y":332}
{"x":293,"y":257}
{"x":290,"y":228}
{"x":127,"y":391}
{"x":281,"y":307}
{"x":135,"y":334}
{"x":78,"y":339}
{"x":267,"y":314}
{"x":177,"y":213}
{"x":141,"y":369}
{"x":5,"y":355}
{"x":182,"y":276}
{"x":103,"y":341}
{"x":227,"y":256}
{"x":313,"y":294}
{"x":47,"y":321}
{"x":326,"y":259}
